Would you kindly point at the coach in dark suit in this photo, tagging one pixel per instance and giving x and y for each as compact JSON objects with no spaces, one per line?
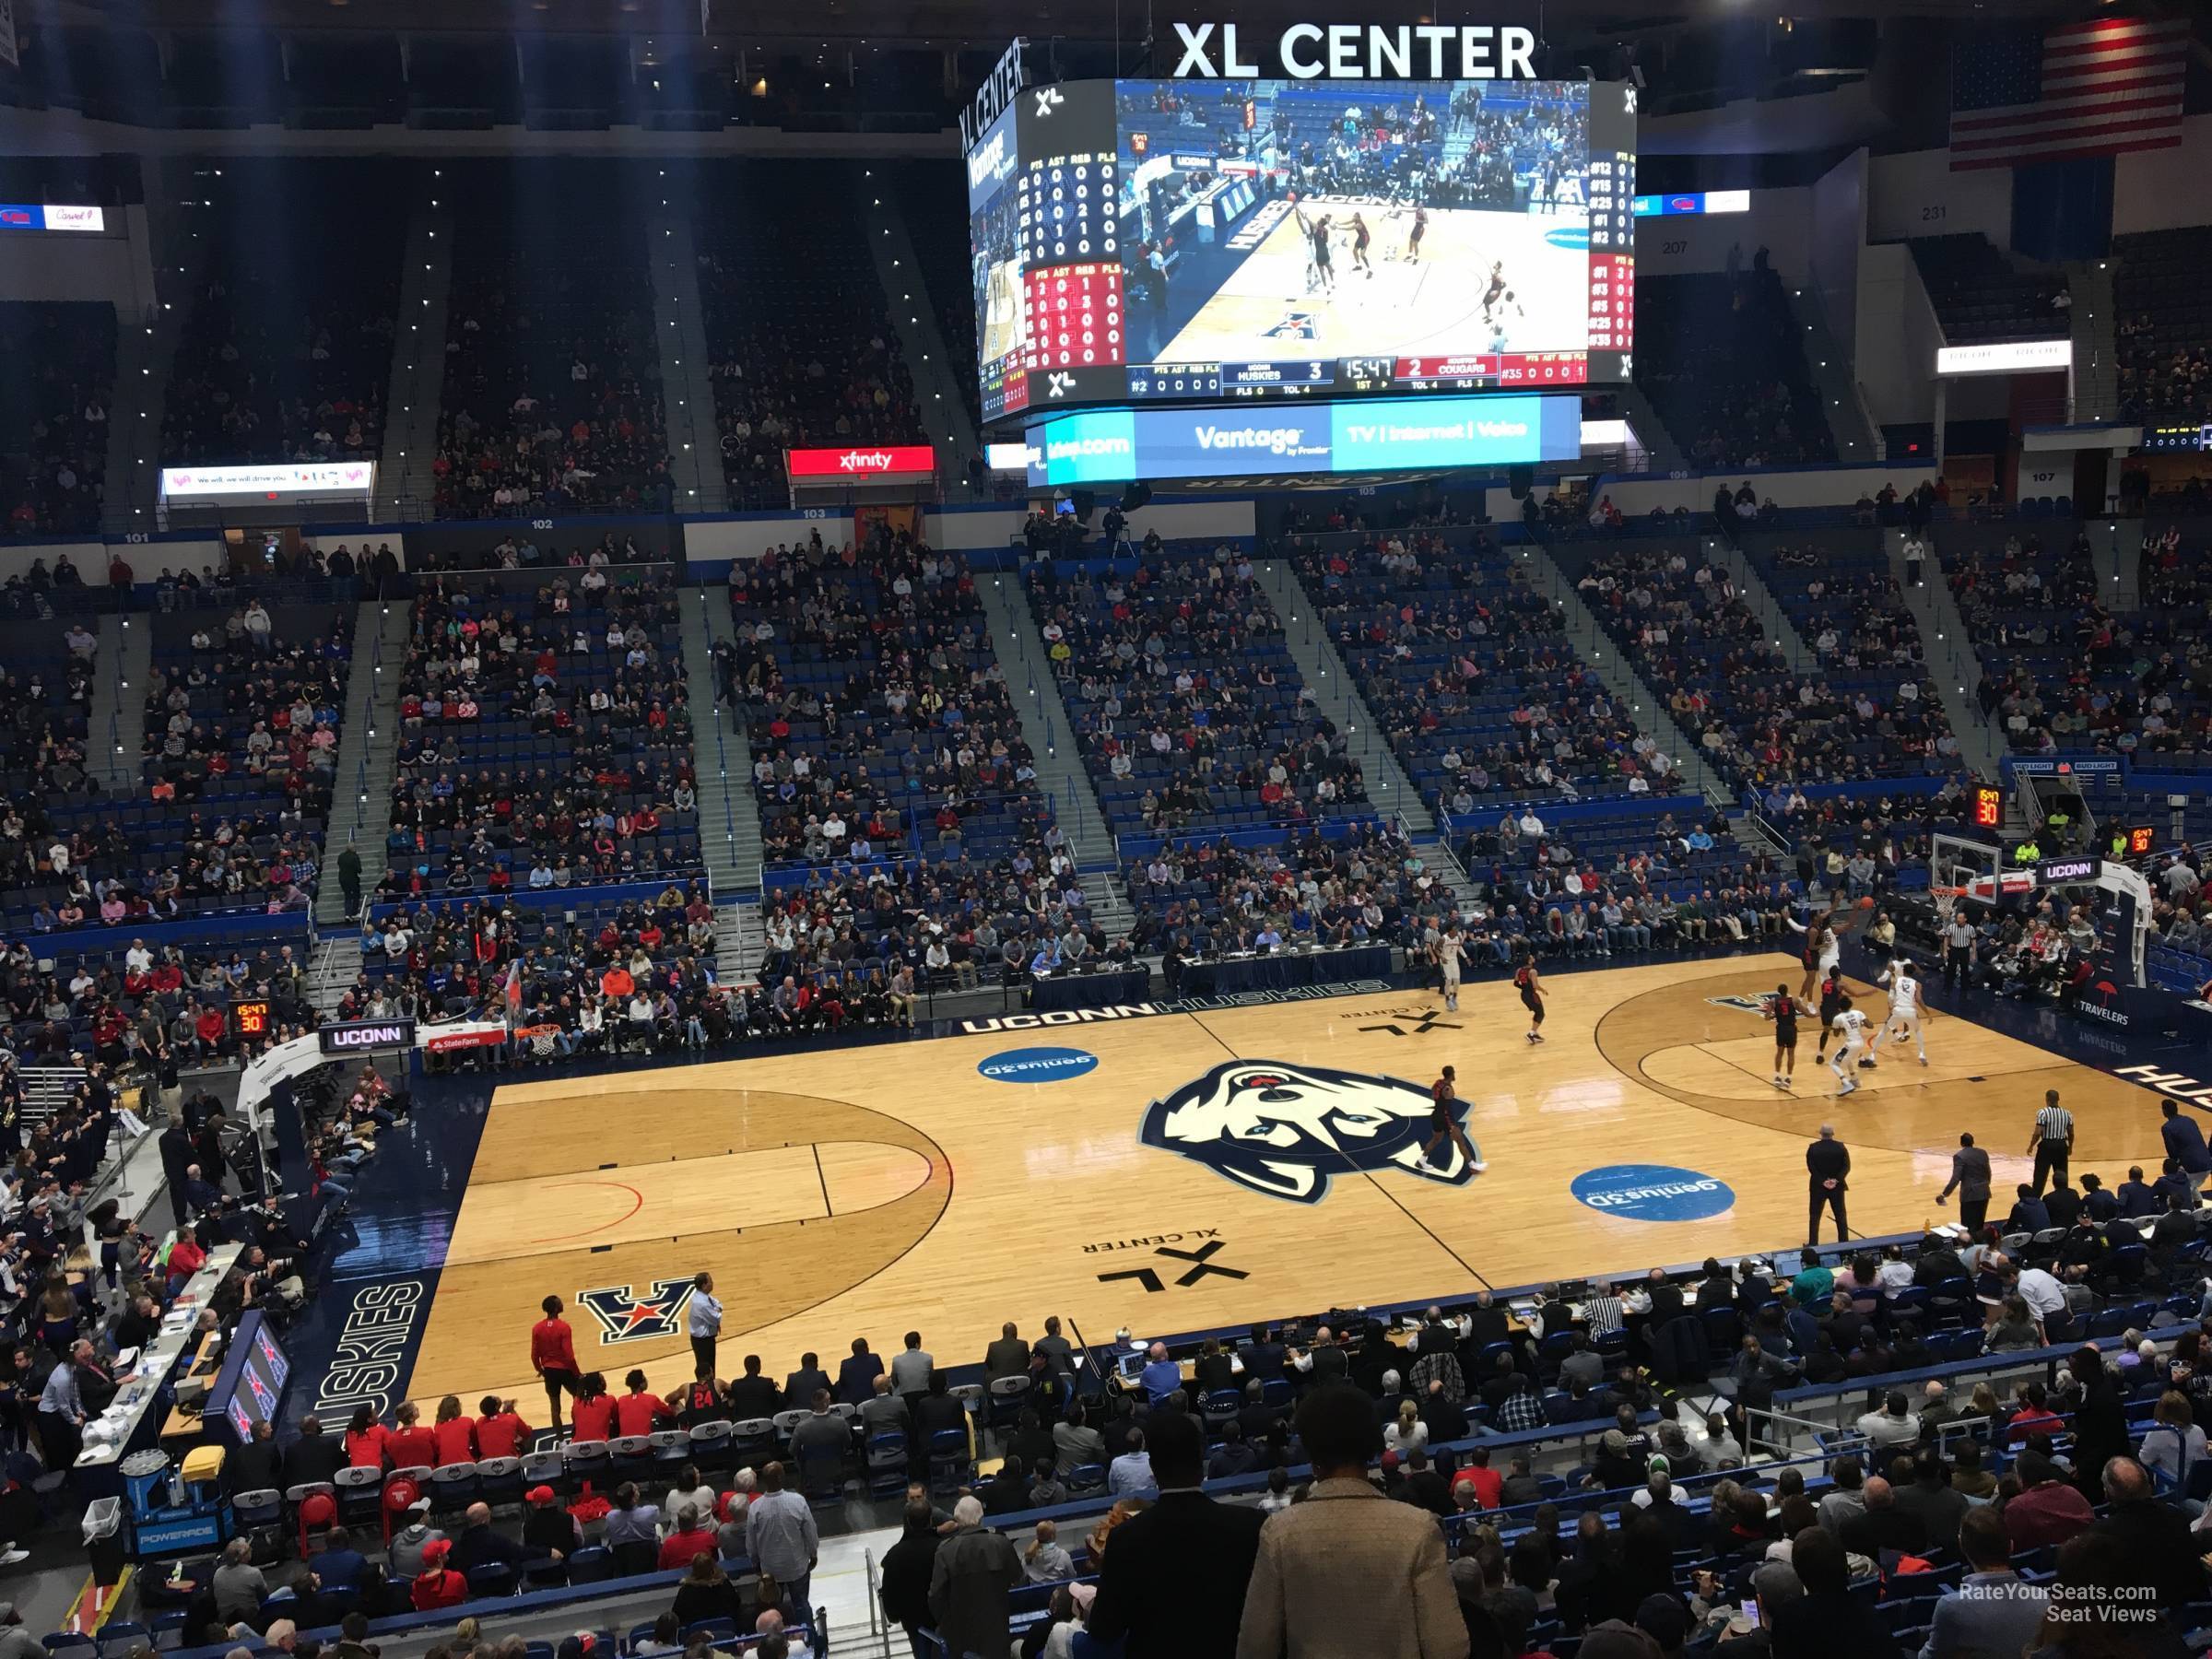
{"x":1970,"y":1179}
{"x":1175,"y":1582}
{"x":1827,"y":1163}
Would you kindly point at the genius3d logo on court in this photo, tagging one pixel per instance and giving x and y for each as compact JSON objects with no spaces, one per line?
{"x":1285,"y":1130}
{"x":625,"y":1316}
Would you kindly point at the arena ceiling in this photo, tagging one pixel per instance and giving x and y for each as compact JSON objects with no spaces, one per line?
{"x":960,"y":23}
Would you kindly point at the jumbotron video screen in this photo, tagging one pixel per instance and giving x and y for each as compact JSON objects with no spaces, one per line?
{"x":1205,"y":240}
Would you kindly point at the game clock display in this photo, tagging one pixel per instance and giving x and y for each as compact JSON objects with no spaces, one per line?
{"x":250,"y":1019}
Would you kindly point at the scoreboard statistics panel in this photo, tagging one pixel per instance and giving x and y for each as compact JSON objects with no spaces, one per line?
{"x":1171,"y":240}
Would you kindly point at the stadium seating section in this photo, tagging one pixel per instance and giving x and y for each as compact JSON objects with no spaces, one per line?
{"x":53,"y":415}
{"x":1729,"y":687}
{"x":2165,"y":324}
{"x":1468,"y":670}
{"x":1723,"y":360}
{"x":941,"y":246}
{"x":1845,"y":603}
{"x":553,"y":377}
{"x":799,"y":326}
{"x":2062,"y":670}
{"x":287,"y":352}
{"x":1978,"y":295}
{"x":545,"y":739}
{"x":1185,"y":701}
{"x":879,"y":716}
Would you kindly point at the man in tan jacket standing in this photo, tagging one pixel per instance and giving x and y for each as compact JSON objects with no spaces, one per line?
{"x":1347,"y":1573}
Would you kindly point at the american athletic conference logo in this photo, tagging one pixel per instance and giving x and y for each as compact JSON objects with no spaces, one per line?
{"x":625,"y":1316}
{"x":1285,"y":1130}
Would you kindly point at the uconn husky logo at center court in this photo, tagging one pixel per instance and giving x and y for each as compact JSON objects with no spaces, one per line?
{"x":625,"y":1316}
{"x":1285,"y":1130}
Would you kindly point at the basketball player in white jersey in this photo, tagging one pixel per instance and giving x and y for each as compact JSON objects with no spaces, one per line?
{"x":1904,"y":1007}
{"x":1447,"y":962}
{"x":1850,"y":1025}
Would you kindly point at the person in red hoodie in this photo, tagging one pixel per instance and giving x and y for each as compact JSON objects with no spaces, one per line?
{"x":368,"y":1441}
{"x":553,"y":1355}
{"x":499,"y":1432}
{"x":438,"y":1586}
{"x":456,"y":1435}
{"x":411,"y":1445}
{"x":640,"y":1412}
{"x":591,"y":1414}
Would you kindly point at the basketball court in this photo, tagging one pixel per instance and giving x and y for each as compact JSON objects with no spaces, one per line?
{"x":1261,"y":309}
{"x":949,"y":1184}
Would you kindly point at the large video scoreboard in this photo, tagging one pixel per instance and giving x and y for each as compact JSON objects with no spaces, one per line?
{"x":1176,"y":240}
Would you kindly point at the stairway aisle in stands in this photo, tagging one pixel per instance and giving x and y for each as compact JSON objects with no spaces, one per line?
{"x":729,"y":815}
{"x":115,"y":727}
{"x":1052,"y":739}
{"x":1321,"y":667}
{"x":679,"y":328}
{"x":1952,"y":663}
{"x":937,"y":396}
{"x":361,"y":809}
{"x":131,"y":483}
{"x":1658,"y":442}
{"x":1644,"y":705}
{"x":1752,"y":588}
{"x":418,"y":388}
{"x":1829,"y":362}
{"x":2093,"y":327}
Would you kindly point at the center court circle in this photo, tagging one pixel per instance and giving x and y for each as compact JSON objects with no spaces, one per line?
{"x":1653,"y":1193}
{"x":1037,"y":1064}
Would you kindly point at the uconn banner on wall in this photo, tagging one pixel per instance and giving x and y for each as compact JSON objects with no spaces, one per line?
{"x":1341,"y":52}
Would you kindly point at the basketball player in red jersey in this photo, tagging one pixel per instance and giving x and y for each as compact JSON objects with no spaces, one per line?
{"x":553,"y":1355}
{"x":1445,"y":1125}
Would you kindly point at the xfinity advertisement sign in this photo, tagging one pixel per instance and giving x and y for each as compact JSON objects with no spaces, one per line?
{"x":1114,"y":446}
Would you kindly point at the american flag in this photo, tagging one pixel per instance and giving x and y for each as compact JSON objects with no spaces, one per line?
{"x":2091,"y":90}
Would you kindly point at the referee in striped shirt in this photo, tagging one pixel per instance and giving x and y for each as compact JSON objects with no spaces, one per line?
{"x":2052,"y":1142}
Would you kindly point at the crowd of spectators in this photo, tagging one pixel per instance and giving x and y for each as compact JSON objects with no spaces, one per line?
{"x":1184,"y":696}
{"x":1351,"y":882}
{"x":591,"y":976}
{"x":147,"y":1008}
{"x":805,"y":352}
{"x":904,"y":930}
{"x":286,"y":353}
{"x":55,"y":414}
{"x":553,"y":394}
{"x":1722,"y":357}
{"x":2063,"y":671}
{"x":1586,"y":1470}
{"x":1468,"y":670}
{"x":248,"y":708}
{"x":545,"y":739}
{"x":1852,"y":611}
{"x":879,"y":715}
{"x":2164,"y":326}
{"x":1729,"y":687}
{"x":1621,"y":882}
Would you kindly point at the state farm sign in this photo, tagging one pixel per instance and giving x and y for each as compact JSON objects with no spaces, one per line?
{"x":870,"y":461}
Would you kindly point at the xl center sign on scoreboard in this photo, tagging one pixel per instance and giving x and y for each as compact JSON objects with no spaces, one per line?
{"x":1331,"y":210}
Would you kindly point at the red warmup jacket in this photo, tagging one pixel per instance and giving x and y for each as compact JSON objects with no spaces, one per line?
{"x":594,"y":1419}
{"x":456,"y":1440}
{"x":415,"y":1448}
{"x":553,"y":1347}
{"x":505,"y":1435}
{"x":641,"y":1414}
